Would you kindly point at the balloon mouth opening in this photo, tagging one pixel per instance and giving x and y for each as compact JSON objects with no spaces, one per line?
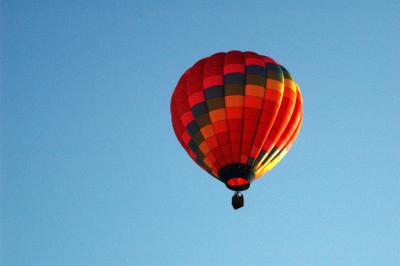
{"x":236,"y":176}
{"x":238,"y":184}
{"x":237,"y":181}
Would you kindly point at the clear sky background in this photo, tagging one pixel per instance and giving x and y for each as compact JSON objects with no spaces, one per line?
{"x":92,"y":173}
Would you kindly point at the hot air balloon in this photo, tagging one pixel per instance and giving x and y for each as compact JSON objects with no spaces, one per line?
{"x":236,"y":114}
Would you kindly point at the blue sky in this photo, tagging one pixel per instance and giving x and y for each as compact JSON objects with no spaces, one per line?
{"x":92,"y":174}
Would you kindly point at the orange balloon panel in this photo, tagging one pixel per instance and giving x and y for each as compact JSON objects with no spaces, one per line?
{"x":236,"y":114}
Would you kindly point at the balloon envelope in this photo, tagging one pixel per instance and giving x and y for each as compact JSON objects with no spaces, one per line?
{"x":236,"y":114}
